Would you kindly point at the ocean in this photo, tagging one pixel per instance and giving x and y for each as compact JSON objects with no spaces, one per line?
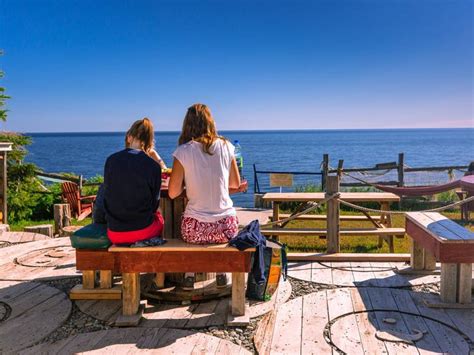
{"x":85,"y":153}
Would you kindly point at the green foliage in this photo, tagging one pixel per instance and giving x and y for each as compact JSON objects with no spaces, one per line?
{"x":3,"y":98}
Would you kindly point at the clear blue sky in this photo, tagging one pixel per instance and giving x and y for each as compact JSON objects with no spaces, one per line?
{"x":99,"y":65}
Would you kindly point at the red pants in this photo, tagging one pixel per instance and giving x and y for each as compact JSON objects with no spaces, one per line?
{"x":130,"y":237}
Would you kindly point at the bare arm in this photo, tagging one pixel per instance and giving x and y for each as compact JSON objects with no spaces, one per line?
{"x":156,"y":157}
{"x":234,"y":176}
{"x":176,"y":184}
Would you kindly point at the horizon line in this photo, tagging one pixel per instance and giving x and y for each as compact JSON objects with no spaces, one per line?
{"x":259,"y":130}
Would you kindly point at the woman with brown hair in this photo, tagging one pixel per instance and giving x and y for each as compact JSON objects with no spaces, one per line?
{"x":204,"y":163}
{"x":132,"y":182}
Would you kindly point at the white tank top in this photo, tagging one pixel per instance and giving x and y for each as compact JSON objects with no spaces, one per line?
{"x":206,"y":178}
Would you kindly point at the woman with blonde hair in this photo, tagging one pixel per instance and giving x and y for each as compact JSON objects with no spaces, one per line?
{"x":204,"y":164}
{"x":132,"y":182}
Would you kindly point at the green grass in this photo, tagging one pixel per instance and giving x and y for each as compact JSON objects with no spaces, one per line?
{"x":19,"y":226}
{"x":362,"y":244}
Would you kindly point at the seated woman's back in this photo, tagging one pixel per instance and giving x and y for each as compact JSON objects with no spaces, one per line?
{"x":207,"y":179}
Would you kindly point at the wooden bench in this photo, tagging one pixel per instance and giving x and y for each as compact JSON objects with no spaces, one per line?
{"x":436,"y":237}
{"x":174,"y":256}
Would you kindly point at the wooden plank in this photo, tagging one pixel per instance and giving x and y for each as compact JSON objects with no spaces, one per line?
{"x":452,"y":226}
{"x":342,"y":231}
{"x":201,"y":314}
{"x":315,"y":317}
{"x":287,"y":334}
{"x":220,"y":313}
{"x":180,"y":245}
{"x":356,"y":257}
{"x":323,"y":217}
{"x":381,"y":298}
{"x":447,"y":339}
{"x":342,"y":274}
{"x":433,"y":227}
{"x":131,"y":293}
{"x":319,"y":196}
{"x":464,"y":320}
{"x":181,"y":261}
{"x":464,"y":283}
{"x":363,"y":274}
{"x":80,"y":293}
{"x":238,"y":320}
{"x":426,"y":345}
{"x":300,"y":270}
{"x":321,"y":274}
{"x":448,"y":282}
{"x":367,"y":323}
{"x":344,"y":331}
{"x":238,"y":293}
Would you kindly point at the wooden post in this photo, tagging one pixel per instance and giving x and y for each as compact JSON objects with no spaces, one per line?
{"x":88,"y":279}
{"x":160,"y":280}
{"x":105,"y":278}
{"x":400,"y":168}
{"x":448,"y":282}
{"x":62,"y":217}
{"x":340,"y":164}
{"x":324,"y":171}
{"x":417,"y":261}
{"x":238,"y":293}
{"x":386,"y":221}
{"x":333,"y":242}
{"x":465,"y":283}
{"x":429,"y":260}
{"x":130,"y":293}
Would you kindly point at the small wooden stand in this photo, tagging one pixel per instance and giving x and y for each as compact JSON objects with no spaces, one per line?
{"x":45,"y":229}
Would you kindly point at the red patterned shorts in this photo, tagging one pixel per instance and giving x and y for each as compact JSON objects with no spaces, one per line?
{"x":196,"y":232}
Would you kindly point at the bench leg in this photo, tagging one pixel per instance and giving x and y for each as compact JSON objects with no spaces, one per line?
{"x":130,"y":293}
{"x":160,"y":280}
{"x":88,"y":279}
{"x":465,"y":283}
{"x":448,"y":282}
{"x":429,"y":260}
{"x":238,"y":293}
{"x":417,"y":260}
{"x":105,"y":279}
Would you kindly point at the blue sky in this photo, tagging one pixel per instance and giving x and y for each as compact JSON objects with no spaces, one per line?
{"x":99,"y":65}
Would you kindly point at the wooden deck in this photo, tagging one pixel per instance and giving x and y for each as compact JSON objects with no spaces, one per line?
{"x":362,"y":274}
{"x":29,"y":311}
{"x":10,"y":238}
{"x":140,"y":340}
{"x":365,"y":321}
{"x":193,"y":316}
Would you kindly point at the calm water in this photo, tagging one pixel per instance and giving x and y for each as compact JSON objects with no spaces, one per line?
{"x":85,"y":153}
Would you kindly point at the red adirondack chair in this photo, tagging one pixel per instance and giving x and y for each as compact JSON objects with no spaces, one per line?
{"x":81,"y":206}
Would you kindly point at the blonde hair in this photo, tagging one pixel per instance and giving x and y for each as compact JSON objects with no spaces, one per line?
{"x":143,"y":131}
{"x":199,"y":126}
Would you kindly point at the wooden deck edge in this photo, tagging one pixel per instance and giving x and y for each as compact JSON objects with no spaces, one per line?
{"x":449,"y":305}
{"x":347,"y":257}
{"x":130,"y":321}
{"x":238,"y":321}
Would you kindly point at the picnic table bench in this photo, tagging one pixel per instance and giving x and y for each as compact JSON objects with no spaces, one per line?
{"x":174,"y":256}
{"x":382,"y":225}
{"x":435,"y":237}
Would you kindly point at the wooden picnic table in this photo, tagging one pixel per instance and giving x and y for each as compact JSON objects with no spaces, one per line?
{"x":380,"y":222}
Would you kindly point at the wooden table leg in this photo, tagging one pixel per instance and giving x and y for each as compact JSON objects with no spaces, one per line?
{"x":465,"y":283}
{"x":386,"y":220}
{"x":448,"y":282}
{"x":237,"y":315}
{"x":160,"y":280}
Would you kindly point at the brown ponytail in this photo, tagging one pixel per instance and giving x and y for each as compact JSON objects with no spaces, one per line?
{"x":143,"y":131}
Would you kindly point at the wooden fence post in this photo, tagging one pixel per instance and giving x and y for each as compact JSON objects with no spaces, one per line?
{"x":333,"y":242}
{"x":401,"y":163}
{"x":324,"y":171}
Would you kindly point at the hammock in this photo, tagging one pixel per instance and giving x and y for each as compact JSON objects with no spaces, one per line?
{"x":466,"y":183}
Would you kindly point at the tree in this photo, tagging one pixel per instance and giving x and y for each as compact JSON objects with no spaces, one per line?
{"x":3,"y":98}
